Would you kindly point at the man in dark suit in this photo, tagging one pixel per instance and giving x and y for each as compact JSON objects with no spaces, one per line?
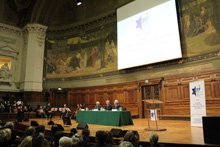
{"x":20,"y":114}
{"x":108,"y":106}
{"x":116,"y":105}
{"x":49,"y":111}
{"x":97,"y":106}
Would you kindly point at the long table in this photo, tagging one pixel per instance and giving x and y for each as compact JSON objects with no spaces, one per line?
{"x":111,"y":118}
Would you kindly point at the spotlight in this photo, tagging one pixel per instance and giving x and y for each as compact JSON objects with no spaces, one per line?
{"x":79,"y":2}
{"x":59,"y":88}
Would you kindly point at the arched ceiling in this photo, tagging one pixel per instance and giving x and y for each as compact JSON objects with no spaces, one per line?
{"x":54,"y":12}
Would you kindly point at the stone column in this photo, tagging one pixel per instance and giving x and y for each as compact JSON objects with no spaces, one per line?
{"x":33,"y":57}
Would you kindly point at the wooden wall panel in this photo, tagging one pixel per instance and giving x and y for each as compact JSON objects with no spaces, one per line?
{"x":174,"y":92}
{"x":185,"y":91}
{"x":178,"y":103}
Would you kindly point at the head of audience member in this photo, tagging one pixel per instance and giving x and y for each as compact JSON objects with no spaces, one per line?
{"x":153,"y":137}
{"x":85,"y":134}
{"x":116,"y":102}
{"x":54,"y":128}
{"x":100,"y":137}
{"x":30,"y":131}
{"x":38,"y":140}
{"x":107,"y":102}
{"x":73,"y":131}
{"x":64,"y":105}
{"x":97,"y":103}
{"x":65,"y":142}
{"x":10,"y":125}
{"x":40,"y":129}
{"x":57,"y":137}
{"x":132,"y":137}
{"x":125,"y":144}
{"x":48,"y":104}
{"x":76,"y":138}
{"x":109,"y":139}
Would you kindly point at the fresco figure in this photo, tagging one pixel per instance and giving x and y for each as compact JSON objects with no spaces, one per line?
{"x":50,"y":66}
{"x":93,"y":56}
{"x":78,"y":59}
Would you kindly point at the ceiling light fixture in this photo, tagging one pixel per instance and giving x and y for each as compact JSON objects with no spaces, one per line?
{"x":79,"y":2}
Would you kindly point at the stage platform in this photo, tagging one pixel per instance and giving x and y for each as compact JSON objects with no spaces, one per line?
{"x":178,"y":132}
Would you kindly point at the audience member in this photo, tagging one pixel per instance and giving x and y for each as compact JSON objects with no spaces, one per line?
{"x":29,"y":132}
{"x":85,"y":138}
{"x":54,"y":129}
{"x":10,"y":125}
{"x":38,"y":140}
{"x":2,"y":108}
{"x":5,"y":136}
{"x":19,"y":102}
{"x":73,"y":131}
{"x":101,"y":139}
{"x":76,"y":139}
{"x":65,"y":142}
{"x":27,"y":142}
{"x":109,"y":139}
{"x":132,"y":137}
{"x":40,"y":129}
{"x":57,"y":137}
{"x":153,"y":137}
{"x":125,"y":144}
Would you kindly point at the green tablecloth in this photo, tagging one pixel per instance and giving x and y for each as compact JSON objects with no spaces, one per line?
{"x":111,"y":118}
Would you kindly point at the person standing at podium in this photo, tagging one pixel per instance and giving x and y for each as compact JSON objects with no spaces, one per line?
{"x":97,"y":106}
{"x":116,"y":105}
{"x":108,"y":106}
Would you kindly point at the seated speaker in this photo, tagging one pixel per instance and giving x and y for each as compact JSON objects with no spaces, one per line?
{"x":34,"y":123}
{"x":82,"y":126}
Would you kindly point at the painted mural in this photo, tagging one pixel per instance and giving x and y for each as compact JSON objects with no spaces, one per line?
{"x":200,"y":25}
{"x":93,"y":53}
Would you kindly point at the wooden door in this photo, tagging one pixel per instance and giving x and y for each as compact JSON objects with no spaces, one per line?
{"x":59,"y":99}
{"x":150,"y":92}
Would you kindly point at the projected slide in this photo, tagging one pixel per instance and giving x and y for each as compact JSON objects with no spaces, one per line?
{"x":149,"y":37}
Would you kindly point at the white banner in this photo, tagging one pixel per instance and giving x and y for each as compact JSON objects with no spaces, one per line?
{"x":153,"y":114}
{"x":197,"y":102}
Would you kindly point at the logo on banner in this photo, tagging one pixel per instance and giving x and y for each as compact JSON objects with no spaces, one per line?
{"x":196,"y":91}
{"x":141,"y":21}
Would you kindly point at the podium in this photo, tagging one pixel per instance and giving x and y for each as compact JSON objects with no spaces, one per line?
{"x":153,"y":102}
